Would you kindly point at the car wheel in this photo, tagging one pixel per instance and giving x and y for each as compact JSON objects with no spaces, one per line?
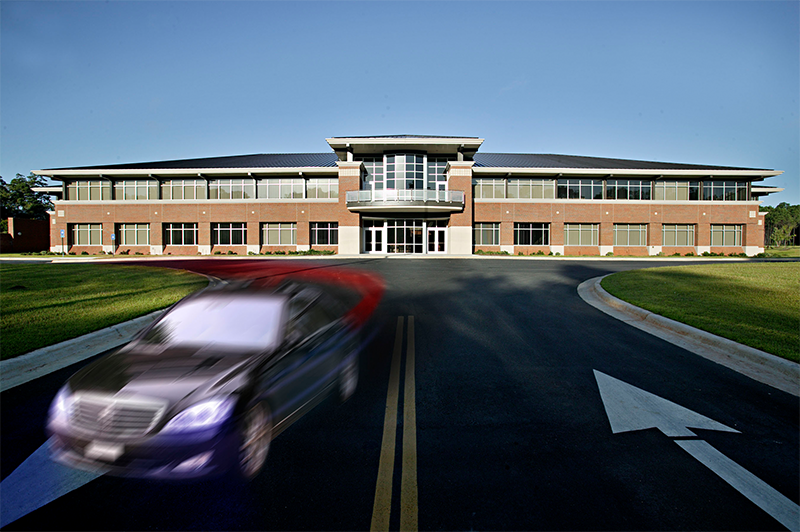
{"x":348,"y":377}
{"x":255,"y":439}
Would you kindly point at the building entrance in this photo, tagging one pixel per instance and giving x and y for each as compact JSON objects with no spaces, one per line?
{"x":414,"y":236}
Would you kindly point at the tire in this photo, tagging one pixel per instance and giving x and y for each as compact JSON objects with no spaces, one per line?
{"x":255,"y":437}
{"x":348,"y":377}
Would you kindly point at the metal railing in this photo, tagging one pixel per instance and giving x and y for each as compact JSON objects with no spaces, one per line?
{"x":437,"y":196}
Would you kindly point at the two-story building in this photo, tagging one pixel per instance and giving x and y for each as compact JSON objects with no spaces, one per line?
{"x":411,"y":194}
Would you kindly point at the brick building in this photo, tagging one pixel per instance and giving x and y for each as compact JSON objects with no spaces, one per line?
{"x":408,"y":194}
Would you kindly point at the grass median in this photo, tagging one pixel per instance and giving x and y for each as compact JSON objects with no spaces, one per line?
{"x":43,"y":304}
{"x":756,"y":304}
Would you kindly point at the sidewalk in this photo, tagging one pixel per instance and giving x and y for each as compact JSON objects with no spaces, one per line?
{"x":764,"y":367}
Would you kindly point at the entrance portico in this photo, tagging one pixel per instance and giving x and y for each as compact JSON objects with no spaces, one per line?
{"x":419,"y":236}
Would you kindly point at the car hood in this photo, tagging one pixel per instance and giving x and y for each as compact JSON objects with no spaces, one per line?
{"x":173,"y":375}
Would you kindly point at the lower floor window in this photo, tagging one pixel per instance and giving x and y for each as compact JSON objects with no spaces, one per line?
{"x":180,"y":234}
{"x":582,"y":234}
{"x":134,"y":234}
{"x":228,"y":234}
{"x":531,"y":234}
{"x":404,"y":236}
{"x":677,"y":235}
{"x":278,"y":234}
{"x":87,"y":234}
{"x":324,"y":233}
{"x":630,"y":234}
{"x":726,"y":235}
{"x":486,"y":234}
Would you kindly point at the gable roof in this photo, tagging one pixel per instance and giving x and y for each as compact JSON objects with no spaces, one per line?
{"x":533,"y":160}
{"x":261,"y":160}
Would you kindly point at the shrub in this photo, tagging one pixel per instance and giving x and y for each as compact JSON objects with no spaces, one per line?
{"x":84,"y":252}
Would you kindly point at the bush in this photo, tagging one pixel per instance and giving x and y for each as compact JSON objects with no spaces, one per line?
{"x":231,"y":252}
{"x":610,"y":254}
{"x":84,"y":252}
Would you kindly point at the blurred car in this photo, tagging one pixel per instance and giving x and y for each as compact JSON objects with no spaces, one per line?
{"x":206,"y":387}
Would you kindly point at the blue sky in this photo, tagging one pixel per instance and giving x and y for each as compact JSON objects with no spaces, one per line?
{"x":90,"y":83}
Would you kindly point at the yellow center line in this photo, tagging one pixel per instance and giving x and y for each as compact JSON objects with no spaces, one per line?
{"x":383,"y":488}
{"x":408,"y":485}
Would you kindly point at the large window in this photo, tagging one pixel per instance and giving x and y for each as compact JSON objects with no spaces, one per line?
{"x":726,"y":235}
{"x":582,"y":234}
{"x":323,"y":188}
{"x":531,"y":234}
{"x":677,"y":190}
{"x":531,"y":188}
{"x":486,"y":234}
{"x":628,"y":189}
{"x":373,"y":173}
{"x":490,"y":188}
{"x":136,"y":189}
{"x":283,"y":188}
{"x":231,"y":189}
{"x":86,"y":234}
{"x":437,"y":176}
{"x":725,"y":191}
{"x":405,"y":171}
{"x":89,"y":190}
{"x":133,"y":234}
{"x":183,"y":189}
{"x":677,"y":235}
{"x":278,"y":234}
{"x":180,"y":234}
{"x":229,"y":234}
{"x":404,"y":236}
{"x":580,"y":189}
{"x":324,"y":234}
{"x":630,"y":234}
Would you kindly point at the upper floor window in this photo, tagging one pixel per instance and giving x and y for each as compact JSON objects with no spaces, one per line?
{"x":531,"y":188}
{"x":405,"y":171}
{"x":437,"y":172}
{"x":725,"y":191}
{"x":231,"y":189}
{"x":489,"y":188}
{"x":374,"y":178}
{"x":677,"y":190}
{"x":136,"y":189}
{"x":281,"y":188}
{"x":580,"y":188}
{"x":89,"y":190}
{"x":323,"y":188}
{"x":628,"y":189}
{"x":183,"y":189}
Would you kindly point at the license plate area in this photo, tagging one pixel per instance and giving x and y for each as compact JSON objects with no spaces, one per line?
{"x":108,"y":452}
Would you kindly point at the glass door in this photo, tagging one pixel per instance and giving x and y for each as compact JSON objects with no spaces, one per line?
{"x":437,"y":232}
{"x":373,"y":238}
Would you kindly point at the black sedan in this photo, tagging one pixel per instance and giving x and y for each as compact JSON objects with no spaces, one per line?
{"x":206,"y":387}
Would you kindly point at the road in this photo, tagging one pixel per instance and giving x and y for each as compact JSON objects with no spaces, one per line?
{"x":478,"y":408}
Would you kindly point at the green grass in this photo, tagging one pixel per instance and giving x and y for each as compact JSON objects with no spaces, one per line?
{"x":43,"y":304}
{"x":756,"y":304}
{"x":783,"y":251}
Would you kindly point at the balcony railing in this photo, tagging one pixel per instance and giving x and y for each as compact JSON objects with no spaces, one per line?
{"x":394,"y":196}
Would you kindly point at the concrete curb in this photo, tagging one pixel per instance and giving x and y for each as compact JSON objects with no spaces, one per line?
{"x":38,"y":363}
{"x":759,"y":365}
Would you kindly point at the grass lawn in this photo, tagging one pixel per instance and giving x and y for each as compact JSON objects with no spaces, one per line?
{"x":783,"y":251}
{"x":756,"y":304}
{"x":43,"y":304}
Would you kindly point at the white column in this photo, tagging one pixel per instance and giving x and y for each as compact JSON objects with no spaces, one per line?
{"x":204,"y":250}
{"x":349,"y":240}
{"x":751,"y":251}
{"x":703,"y":249}
{"x":253,"y":248}
{"x":460,"y":241}
{"x":156,"y":250}
{"x":654,"y":250}
{"x":557,"y":249}
{"x":605,"y":250}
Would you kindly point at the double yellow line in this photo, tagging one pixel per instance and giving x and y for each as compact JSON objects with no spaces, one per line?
{"x":381,"y":509}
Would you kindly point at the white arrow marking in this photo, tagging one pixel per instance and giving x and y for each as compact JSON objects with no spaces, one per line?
{"x":36,"y":482}
{"x":630,"y":408}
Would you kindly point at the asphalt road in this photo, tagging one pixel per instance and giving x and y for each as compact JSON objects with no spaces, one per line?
{"x":509,"y":429}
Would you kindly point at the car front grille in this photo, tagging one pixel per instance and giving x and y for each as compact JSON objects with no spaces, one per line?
{"x":114,"y":417}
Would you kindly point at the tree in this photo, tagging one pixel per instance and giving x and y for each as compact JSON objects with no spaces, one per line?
{"x":781,"y":224}
{"x":18,"y":200}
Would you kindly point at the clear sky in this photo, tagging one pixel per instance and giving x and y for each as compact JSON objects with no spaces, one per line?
{"x":92,"y":83}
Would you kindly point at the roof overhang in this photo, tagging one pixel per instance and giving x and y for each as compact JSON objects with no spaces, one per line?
{"x":378,"y":145}
{"x":155,"y":173}
{"x":622,"y":172}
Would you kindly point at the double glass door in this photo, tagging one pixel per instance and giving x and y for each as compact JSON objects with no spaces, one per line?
{"x":405,"y":236}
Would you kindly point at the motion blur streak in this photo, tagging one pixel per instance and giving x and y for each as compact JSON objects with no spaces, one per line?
{"x":36,"y":482}
{"x":408,"y":486}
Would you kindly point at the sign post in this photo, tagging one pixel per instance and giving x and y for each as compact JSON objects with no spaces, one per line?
{"x":113,"y":238}
{"x":62,"y":242}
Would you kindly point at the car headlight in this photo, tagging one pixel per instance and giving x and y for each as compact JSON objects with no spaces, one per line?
{"x":202,"y":415}
{"x":61,"y":407}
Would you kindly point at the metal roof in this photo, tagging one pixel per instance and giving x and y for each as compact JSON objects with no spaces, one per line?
{"x":533,"y":160}
{"x":261,"y":160}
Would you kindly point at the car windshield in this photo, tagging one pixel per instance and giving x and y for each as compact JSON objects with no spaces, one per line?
{"x":227,"y":321}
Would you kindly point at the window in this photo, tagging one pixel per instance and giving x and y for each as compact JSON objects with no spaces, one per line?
{"x":582,"y":234}
{"x":136,"y":190}
{"x":531,"y":188}
{"x":89,"y":190}
{"x":490,"y":188}
{"x":726,"y":235}
{"x":405,"y":171}
{"x":373,"y":173}
{"x":630,"y":234}
{"x":628,"y":189}
{"x":228,"y":234}
{"x":725,"y":191}
{"x":404,"y":236}
{"x":531,"y":234}
{"x":278,"y":234}
{"x":436,"y":172}
{"x":323,"y":188}
{"x":677,"y":190}
{"x":324,"y":234}
{"x":180,"y":234}
{"x":283,"y":188}
{"x":87,"y":234}
{"x":580,"y":189}
{"x":133,"y":234}
{"x":486,"y":234}
{"x":183,"y":189}
{"x":231,"y":189}
{"x":677,"y":235}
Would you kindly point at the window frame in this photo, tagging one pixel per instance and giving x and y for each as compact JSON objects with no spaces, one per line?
{"x":724,"y":232}
{"x":581,"y":230}
{"x":627,"y":230}
{"x":329,"y":229}
{"x":283,"y":231}
{"x":486,"y":229}
{"x":170,"y":230}
{"x":525,"y":233}
{"x":219,"y":229}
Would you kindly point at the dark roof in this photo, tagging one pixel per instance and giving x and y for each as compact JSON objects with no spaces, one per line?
{"x":261,"y":160}
{"x":533,"y":160}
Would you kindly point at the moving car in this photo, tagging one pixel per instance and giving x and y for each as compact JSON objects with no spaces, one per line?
{"x":205,"y":388}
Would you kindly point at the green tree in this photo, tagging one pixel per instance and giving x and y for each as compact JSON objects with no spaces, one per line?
{"x":781,"y":224}
{"x":19,"y":200}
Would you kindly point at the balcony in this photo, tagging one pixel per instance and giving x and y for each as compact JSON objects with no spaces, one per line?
{"x":405,"y":200}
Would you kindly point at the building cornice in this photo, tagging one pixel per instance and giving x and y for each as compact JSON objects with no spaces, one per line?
{"x":612,"y":173}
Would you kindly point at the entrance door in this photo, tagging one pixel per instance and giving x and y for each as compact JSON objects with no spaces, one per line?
{"x":436,"y":236}
{"x":373,"y":240}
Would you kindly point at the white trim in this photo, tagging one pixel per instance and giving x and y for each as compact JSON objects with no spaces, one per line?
{"x":156,"y":250}
{"x":702,"y":249}
{"x":349,"y":239}
{"x":654,"y":250}
{"x":253,"y":248}
{"x":603,"y":172}
{"x":460,"y":240}
{"x":204,"y":249}
{"x":605,"y":250}
{"x":187,"y":172}
{"x":507,"y":249}
{"x":303,"y":247}
{"x":751,"y":251}
{"x":557,"y":249}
